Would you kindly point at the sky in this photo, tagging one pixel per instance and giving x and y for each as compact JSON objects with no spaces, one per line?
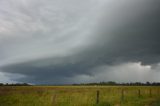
{"x":79,"y":41}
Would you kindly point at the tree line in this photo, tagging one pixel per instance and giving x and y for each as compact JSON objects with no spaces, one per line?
{"x":109,"y":83}
{"x":112,"y":83}
{"x":14,"y":84}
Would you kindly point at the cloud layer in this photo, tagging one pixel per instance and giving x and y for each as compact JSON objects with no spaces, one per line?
{"x":62,"y":41}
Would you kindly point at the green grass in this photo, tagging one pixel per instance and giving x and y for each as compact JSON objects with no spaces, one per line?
{"x":78,"y":96}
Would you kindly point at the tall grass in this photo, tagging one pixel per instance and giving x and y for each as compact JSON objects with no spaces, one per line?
{"x":79,"y":96}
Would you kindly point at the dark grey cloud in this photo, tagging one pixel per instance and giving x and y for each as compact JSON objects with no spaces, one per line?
{"x":65,"y":43}
{"x":137,"y":37}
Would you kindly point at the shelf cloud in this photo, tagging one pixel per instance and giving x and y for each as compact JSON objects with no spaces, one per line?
{"x":61,"y":42}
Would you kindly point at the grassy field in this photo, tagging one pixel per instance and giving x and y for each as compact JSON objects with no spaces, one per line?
{"x":79,"y":96}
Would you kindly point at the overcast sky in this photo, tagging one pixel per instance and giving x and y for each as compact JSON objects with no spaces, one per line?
{"x":79,"y":41}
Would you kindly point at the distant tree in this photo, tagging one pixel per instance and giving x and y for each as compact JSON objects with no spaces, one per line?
{"x":148,"y":83}
{"x":1,"y":84}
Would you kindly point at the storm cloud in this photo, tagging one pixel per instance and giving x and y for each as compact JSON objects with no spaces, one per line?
{"x":59,"y":42}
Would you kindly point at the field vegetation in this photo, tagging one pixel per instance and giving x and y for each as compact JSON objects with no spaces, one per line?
{"x":79,"y":96}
